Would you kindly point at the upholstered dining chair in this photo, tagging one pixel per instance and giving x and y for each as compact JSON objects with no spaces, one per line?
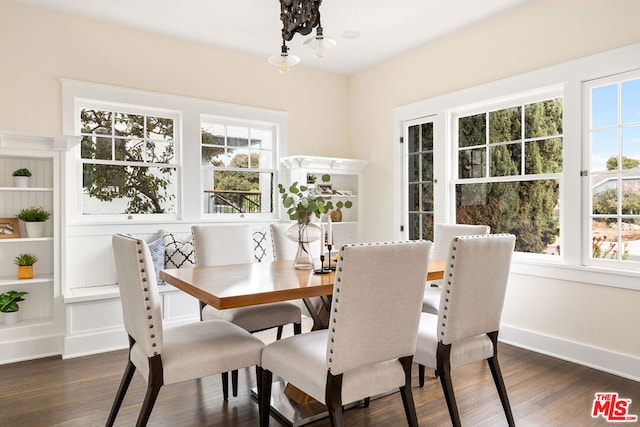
{"x":169,"y":355}
{"x":231,"y":244}
{"x":443,"y":234}
{"x":284,"y":249}
{"x":369,"y":345}
{"x":465,"y":330}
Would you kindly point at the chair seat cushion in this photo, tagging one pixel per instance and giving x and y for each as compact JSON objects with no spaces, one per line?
{"x":284,"y":358}
{"x":256,"y":317}
{"x":200,"y":349}
{"x":431,"y":300}
{"x":463,"y":352}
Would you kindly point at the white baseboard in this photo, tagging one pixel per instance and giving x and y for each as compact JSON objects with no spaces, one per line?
{"x":29,"y":349}
{"x":597,"y":358}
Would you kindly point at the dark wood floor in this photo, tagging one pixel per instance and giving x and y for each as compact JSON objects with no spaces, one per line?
{"x":78,"y":392}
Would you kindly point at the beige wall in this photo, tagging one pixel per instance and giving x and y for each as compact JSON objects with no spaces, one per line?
{"x":39,"y":46}
{"x":536,"y":35}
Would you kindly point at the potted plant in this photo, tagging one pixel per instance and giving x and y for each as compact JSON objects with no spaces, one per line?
{"x":34,"y":218}
{"x":301,"y":203}
{"x":9,"y":306}
{"x":21,"y":177}
{"x":25,"y":265}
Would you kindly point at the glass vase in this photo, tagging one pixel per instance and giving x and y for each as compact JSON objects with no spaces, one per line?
{"x":303,"y":232}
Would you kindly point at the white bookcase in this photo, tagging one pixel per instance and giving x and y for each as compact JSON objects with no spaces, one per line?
{"x":346,"y":183}
{"x":39,"y":329}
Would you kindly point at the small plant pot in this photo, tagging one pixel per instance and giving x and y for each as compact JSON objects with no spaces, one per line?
{"x":25,"y":272}
{"x":20,"y":181}
{"x":34,"y":229}
{"x":10,"y":317}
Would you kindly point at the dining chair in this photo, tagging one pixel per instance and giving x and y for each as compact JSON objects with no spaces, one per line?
{"x":368,"y":348}
{"x":166,"y":356}
{"x":465,"y":330}
{"x":231,"y":244}
{"x":284,"y":249}
{"x":443,"y":234}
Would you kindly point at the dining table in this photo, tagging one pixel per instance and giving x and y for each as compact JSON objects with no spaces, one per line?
{"x":243,"y":285}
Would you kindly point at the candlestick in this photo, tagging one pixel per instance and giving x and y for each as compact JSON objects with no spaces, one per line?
{"x":330,"y":226}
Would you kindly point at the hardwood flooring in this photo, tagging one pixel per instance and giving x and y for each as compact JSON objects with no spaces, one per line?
{"x":78,"y":392}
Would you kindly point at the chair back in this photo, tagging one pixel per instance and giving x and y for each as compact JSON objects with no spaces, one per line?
{"x":444,"y":233}
{"x":139,"y":294}
{"x":222,"y":244}
{"x":284,"y":248}
{"x":475,"y":283}
{"x":377,"y":300}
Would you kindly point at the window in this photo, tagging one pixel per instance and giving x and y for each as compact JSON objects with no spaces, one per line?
{"x":614,"y":169}
{"x":238,"y":168}
{"x":128,"y":161}
{"x":419,"y":161}
{"x":509,"y":165}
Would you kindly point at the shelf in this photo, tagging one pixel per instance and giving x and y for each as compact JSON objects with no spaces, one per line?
{"x":13,"y":280}
{"x":27,"y":239}
{"x":21,"y":189}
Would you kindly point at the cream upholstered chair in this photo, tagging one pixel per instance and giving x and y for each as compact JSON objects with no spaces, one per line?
{"x":231,"y":244}
{"x":171,"y":355}
{"x":466,"y":327}
{"x":443,"y":234}
{"x":284,"y":249}
{"x":369,"y":345}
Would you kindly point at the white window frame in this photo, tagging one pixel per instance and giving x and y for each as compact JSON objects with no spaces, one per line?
{"x":568,"y":78}
{"x":190,"y":110}
{"x":587,"y":260}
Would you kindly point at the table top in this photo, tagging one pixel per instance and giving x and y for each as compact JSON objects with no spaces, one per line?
{"x":242,"y":285}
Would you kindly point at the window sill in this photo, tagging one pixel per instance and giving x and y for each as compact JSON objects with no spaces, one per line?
{"x":582,"y":274}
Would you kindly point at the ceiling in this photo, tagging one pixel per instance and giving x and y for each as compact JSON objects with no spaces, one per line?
{"x":386,"y":28}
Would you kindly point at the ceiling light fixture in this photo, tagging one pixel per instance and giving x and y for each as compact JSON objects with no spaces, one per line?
{"x":299,"y":16}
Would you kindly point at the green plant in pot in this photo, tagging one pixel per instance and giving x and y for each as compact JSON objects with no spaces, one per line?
{"x":34,"y":218}
{"x":302,"y":203}
{"x":25,"y":265}
{"x":21,"y":177}
{"x":9,"y":305}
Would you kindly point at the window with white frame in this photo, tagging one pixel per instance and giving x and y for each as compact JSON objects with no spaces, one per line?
{"x":238,"y":166}
{"x":419,"y":161}
{"x":612,"y":123}
{"x":509,"y":166}
{"x":128,"y":158}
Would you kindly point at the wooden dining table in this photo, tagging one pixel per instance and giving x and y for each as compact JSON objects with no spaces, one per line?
{"x":242,"y":285}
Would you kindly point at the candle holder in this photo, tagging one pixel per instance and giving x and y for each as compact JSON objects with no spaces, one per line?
{"x":322,"y":270}
{"x":330,"y":267}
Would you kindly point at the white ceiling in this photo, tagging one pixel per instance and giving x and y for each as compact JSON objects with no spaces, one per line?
{"x":387,"y":28}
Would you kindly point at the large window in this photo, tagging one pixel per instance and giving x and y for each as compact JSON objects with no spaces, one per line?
{"x":238,"y":169}
{"x":509,"y":165}
{"x":614,"y":168}
{"x":128,"y":161}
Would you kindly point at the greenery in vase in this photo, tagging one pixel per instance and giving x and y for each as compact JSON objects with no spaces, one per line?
{"x":25,"y":259}
{"x":33,"y":214}
{"x":9,"y":301}
{"x":22,"y":172}
{"x":301,"y":202}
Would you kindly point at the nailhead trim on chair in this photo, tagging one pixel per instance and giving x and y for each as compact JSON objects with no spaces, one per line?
{"x":146,"y":297}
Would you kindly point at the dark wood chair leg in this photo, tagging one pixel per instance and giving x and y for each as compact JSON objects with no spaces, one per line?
{"x":367,"y":401}
{"x":264,"y":396}
{"x":297,"y":328}
{"x":129,"y":370}
{"x":407,"y":394}
{"x":421,"y":375}
{"x":279,"y":334}
{"x":444,"y":369}
{"x":333,"y":399}
{"x":498,"y":380}
{"x":225,"y":385}
{"x":153,"y":388}
{"x":234,"y":382}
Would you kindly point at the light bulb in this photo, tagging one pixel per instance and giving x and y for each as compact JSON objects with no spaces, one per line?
{"x":284,"y":61}
{"x":319,"y":43}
